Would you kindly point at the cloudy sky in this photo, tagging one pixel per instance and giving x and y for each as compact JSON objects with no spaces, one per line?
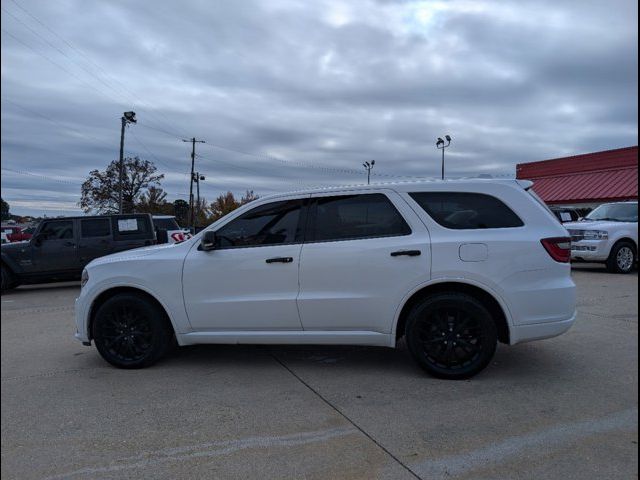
{"x":289,"y":94}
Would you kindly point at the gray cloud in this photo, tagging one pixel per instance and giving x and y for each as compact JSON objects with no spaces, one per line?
{"x":308,"y":90}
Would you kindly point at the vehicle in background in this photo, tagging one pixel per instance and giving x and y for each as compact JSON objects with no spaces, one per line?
{"x":3,"y":238}
{"x":15,"y":233}
{"x":60,"y":248}
{"x":168,"y":230}
{"x":609,"y":235}
{"x":453,"y":267}
{"x":566,"y":214}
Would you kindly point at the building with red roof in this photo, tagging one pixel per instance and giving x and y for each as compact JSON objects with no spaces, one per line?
{"x":585,"y":180}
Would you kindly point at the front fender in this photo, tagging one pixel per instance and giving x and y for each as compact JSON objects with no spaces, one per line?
{"x":11,"y":263}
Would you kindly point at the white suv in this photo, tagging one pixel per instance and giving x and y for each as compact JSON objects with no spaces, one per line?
{"x":451,"y":266}
{"x":609,"y":234}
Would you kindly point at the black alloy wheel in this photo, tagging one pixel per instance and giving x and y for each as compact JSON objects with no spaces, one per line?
{"x":451,"y":335}
{"x":131,"y":331}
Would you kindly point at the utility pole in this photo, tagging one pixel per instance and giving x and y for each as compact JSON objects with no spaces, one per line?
{"x":193,"y":163}
{"x":127,"y":117}
{"x":369,"y":166}
{"x":441,"y":146}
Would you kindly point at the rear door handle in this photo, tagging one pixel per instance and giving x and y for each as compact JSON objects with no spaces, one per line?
{"x":408,"y":253}
{"x":280,"y":260}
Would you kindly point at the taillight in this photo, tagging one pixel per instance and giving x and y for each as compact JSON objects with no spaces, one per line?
{"x":558,"y":247}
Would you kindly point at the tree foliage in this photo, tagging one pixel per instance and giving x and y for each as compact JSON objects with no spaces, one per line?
{"x":100,"y":190}
{"x":227,"y":202}
{"x":5,"y":210}
{"x":154,"y":201}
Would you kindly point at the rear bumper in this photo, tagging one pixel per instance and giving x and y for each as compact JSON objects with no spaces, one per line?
{"x":539,"y":331}
{"x":590,"y":250}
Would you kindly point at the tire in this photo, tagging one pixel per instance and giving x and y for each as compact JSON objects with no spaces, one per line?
{"x":451,"y":335}
{"x":8,"y":279}
{"x":622,"y":258}
{"x":131,"y":331}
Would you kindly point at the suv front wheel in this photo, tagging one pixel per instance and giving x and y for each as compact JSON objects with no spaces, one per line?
{"x":131,"y":331}
{"x":622,"y":257}
{"x":451,"y":335}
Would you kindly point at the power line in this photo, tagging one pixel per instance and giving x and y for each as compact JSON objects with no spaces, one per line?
{"x":92,"y":73}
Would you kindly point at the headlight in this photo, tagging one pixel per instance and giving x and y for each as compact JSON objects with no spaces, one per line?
{"x":596,"y":235}
{"x":84,"y":278}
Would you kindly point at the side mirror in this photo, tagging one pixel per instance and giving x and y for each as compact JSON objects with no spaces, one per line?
{"x":37,"y":240}
{"x":209,"y":241}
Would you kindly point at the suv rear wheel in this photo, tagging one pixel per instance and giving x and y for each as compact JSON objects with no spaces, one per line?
{"x":622,"y":257}
{"x":451,"y":335}
{"x":131,"y":331}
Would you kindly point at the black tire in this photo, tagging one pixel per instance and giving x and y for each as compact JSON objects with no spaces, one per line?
{"x":8,"y":279}
{"x":131,"y":331}
{"x":451,"y":335}
{"x":622,"y":258}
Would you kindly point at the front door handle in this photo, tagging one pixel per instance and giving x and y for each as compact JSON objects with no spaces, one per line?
{"x":69,"y":244}
{"x":408,"y":253}
{"x":280,"y":260}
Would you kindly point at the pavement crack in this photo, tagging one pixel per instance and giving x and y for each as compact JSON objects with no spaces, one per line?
{"x":343,"y":415}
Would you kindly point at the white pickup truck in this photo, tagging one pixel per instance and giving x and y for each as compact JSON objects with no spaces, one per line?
{"x":609,"y":235}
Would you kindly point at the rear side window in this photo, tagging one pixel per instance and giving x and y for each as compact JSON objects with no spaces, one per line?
{"x":351,"y":217}
{"x":95,"y":227}
{"x":467,"y":211}
{"x":132,"y":228}
{"x":275,"y":223}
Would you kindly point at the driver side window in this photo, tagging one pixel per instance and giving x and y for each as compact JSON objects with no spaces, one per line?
{"x":276,"y":223}
{"x":58,"y":230}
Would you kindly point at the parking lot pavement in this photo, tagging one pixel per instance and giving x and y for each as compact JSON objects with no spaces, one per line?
{"x":560,"y":408}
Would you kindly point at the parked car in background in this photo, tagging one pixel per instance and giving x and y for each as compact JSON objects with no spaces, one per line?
{"x":565,"y":214}
{"x":60,"y":248}
{"x":609,"y":235}
{"x":453,"y":267}
{"x":168,"y":230}
{"x":15,"y":233}
{"x":3,"y":238}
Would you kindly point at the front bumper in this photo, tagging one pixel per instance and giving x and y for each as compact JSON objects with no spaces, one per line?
{"x":81,"y":324}
{"x":590,"y":250}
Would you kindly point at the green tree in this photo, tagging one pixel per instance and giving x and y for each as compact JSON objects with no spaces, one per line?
{"x":5,"y":210}
{"x":100,"y":190}
{"x":181,"y":212}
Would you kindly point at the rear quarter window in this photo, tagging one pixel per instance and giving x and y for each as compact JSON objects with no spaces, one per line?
{"x":467,"y":211}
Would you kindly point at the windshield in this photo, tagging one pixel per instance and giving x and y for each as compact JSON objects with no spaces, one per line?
{"x":166,"y":223}
{"x":616,"y":212}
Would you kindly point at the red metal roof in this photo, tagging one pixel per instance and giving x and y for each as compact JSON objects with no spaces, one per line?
{"x":600,"y":176}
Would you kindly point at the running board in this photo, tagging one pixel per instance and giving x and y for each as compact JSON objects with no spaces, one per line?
{"x":289,"y":337}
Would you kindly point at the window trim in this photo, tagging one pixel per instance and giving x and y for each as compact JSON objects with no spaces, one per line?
{"x":74,"y":229}
{"x":313,"y":211}
{"x":301,"y":225}
{"x":436,"y":222}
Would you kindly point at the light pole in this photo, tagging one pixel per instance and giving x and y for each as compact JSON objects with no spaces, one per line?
{"x":197,"y":177}
{"x":369,"y":166}
{"x":440,"y":145}
{"x":127,"y":117}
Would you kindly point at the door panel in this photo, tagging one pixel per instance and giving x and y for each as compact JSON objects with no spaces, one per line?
{"x":58,"y":250}
{"x":95,"y":239}
{"x":358,"y":284}
{"x":250,"y":281}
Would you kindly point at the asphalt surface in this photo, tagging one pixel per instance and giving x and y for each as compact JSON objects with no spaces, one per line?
{"x":560,"y":408}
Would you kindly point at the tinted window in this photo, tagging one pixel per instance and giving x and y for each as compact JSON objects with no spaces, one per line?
{"x":166,"y":223}
{"x":467,"y":210}
{"x":58,"y":230}
{"x":271,"y":224}
{"x":95,"y":227}
{"x":349,"y":217}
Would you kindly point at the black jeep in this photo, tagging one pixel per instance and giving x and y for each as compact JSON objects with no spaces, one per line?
{"x":60,"y":248}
